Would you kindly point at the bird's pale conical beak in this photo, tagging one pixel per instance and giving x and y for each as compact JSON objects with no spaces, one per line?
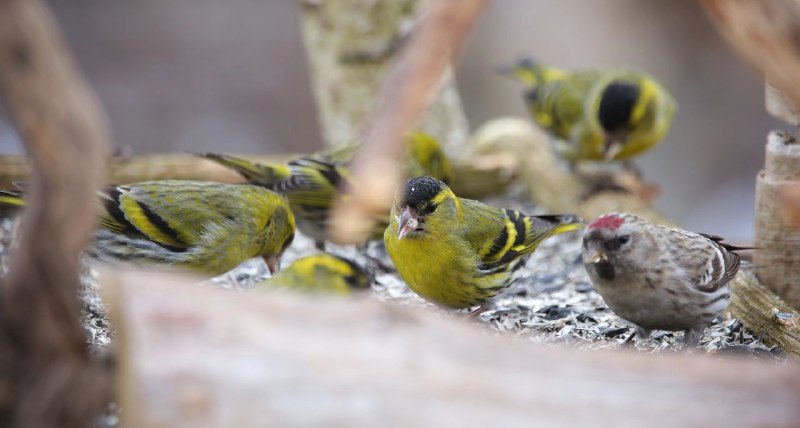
{"x":598,"y":257}
{"x":273,"y":263}
{"x":613,"y":148}
{"x":408,"y":222}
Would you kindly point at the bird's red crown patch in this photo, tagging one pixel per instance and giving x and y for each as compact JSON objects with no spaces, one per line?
{"x":608,"y":221}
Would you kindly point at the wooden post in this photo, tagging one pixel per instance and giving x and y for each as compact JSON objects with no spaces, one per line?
{"x":777,"y":240}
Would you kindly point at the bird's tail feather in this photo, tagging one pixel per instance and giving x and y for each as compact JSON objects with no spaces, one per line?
{"x":563,"y":223}
{"x":262,"y":174}
{"x":11,"y":199}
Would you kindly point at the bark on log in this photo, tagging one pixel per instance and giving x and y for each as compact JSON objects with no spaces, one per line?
{"x":351,"y":44}
{"x":48,"y":378}
{"x":197,"y":357}
{"x":789,"y":197}
{"x":765,"y":313}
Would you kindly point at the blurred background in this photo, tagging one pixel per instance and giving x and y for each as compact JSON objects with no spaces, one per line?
{"x":194,"y":75}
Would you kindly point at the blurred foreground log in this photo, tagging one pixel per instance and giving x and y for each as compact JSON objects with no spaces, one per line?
{"x":47,"y":378}
{"x":197,"y":357}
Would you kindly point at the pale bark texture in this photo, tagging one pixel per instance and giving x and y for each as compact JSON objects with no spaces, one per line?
{"x":351,"y":45}
{"x":48,"y":378}
{"x":765,"y":313}
{"x":777,"y":238}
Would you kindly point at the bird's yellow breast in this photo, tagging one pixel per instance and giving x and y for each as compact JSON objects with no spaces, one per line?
{"x":442,"y":271}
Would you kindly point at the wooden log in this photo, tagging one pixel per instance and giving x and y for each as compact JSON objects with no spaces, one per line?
{"x":777,"y":239}
{"x":48,"y":378}
{"x":350,"y":45}
{"x":764,"y":313}
{"x":197,"y":357}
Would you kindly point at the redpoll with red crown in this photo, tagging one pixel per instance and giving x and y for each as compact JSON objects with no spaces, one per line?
{"x":658,"y":277}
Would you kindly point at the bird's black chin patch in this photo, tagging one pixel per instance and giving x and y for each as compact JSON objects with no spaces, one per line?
{"x":605,"y":270}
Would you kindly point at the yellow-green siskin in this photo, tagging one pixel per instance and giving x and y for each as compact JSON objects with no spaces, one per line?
{"x":599,"y":114}
{"x":320,"y":273}
{"x":209,"y":228}
{"x":458,"y":252}
{"x":311,"y":183}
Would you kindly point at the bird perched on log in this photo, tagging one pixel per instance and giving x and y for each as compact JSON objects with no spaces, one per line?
{"x":658,"y":277}
{"x":320,"y":273}
{"x":311,"y":183}
{"x":209,"y":228}
{"x":458,"y":252}
{"x":599,"y":114}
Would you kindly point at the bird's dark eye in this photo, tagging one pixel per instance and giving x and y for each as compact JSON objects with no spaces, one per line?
{"x":428,"y":209}
{"x":287,"y":242}
{"x":624,"y":239}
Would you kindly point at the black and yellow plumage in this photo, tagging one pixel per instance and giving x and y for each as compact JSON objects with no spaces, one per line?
{"x":459,"y":252}
{"x":320,"y":274}
{"x":206,"y":227}
{"x":599,"y":114}
{"x":311,"y":183}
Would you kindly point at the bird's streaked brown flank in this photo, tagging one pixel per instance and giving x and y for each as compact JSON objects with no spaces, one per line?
{"x":658,"y":277}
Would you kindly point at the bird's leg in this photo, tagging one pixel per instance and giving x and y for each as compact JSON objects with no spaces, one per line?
{"x":643,"y":334}
{"x":477,"y":312}
{"x":379,"y":264}
{"x":691,"y":337}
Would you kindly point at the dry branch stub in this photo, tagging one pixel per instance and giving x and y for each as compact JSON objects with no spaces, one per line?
{"x":779,"y":106}
{"x":777,"y":238}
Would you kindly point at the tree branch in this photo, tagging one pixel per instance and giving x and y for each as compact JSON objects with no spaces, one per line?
{"x":49,"y":380}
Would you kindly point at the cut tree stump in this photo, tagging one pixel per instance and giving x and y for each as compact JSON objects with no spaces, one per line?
{"x":193,"y":357}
